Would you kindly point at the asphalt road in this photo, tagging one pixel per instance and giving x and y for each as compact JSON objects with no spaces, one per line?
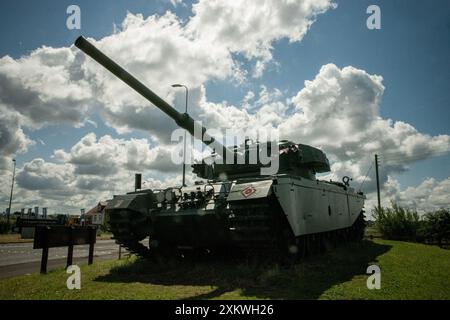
{"x":21,"y":258}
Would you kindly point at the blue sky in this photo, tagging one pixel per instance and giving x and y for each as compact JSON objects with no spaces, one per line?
{"x":411,"y":52}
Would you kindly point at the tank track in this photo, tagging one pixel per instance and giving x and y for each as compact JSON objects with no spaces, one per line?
{"x":250,"y":224}
{"x":126,"y":226}
{"x":254,"y":228}
{"x":259,"y":228}
{"x":262,"y":227}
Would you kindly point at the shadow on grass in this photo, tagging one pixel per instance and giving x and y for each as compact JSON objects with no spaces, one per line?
{"x":308,"y":279}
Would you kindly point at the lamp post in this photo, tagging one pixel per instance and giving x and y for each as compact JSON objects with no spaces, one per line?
{"x":184,"y":150}
{"x":12,"y":187}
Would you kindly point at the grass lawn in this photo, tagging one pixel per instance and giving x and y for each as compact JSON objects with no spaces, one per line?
{"x":408,"y":271}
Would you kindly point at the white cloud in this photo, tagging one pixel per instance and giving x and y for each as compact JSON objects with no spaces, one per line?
{"x":12,"y":138}
{"x":106,"y":156}
{"x":46,"y":86}
{"x":251,"y":27}
{"x":430,"y":195}
{"x":41,"y":175}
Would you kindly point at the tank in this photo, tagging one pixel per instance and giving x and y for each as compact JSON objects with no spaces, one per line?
{"x":288,"y":214}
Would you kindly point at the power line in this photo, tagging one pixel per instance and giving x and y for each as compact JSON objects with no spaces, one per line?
{"x":367,"y":173}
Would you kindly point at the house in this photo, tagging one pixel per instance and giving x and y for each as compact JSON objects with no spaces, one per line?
{"x":96,"y":215}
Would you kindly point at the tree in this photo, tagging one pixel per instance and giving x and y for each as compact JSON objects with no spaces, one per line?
{"x":397,"y":223}
{"x":437,"y":226}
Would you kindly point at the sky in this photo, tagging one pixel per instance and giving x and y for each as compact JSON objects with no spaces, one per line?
{"x":310,"y":69}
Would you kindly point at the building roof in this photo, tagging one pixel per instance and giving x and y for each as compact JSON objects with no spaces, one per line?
{"x":92,"y":211}
{"x":97,"y":209}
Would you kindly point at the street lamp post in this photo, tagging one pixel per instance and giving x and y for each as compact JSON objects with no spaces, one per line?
{"x":12,"y":187}
{"x":184,"y":150}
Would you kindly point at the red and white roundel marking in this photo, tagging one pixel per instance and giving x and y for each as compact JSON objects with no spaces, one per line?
{"x":248,"y":191}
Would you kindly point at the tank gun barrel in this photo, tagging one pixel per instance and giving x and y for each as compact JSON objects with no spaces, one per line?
{"x":182,"y":119}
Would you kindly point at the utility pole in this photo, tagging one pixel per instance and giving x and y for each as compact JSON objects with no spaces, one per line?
{"x":12,"y":187}
{"x":378,"y":181}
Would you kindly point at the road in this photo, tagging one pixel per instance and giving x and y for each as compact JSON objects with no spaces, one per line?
{"x":21,"y":258}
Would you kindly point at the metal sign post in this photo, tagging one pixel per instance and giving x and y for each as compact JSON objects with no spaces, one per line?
{"x":70,"y":249}
{"x":44,"y":258}
{"x":46,"y":237}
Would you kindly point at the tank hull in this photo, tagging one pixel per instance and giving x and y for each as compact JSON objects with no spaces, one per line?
{"x":317,"y":206}
{"x":282,"y":210}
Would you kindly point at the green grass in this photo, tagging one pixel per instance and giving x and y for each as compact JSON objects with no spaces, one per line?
{"x":408,"y":271}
